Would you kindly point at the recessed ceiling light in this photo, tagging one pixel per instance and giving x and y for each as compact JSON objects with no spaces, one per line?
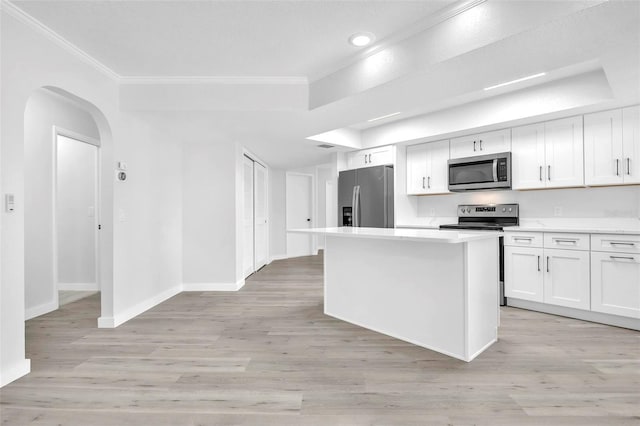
{"x":361,"y":39}
{"x":516,"y":81}
{"x":385,"y":116}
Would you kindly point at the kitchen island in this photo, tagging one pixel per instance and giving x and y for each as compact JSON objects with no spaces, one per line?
{"x":434,"y":288}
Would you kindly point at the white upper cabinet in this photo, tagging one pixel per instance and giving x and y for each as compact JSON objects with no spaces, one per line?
{"x":481,"y":144}
{"x":612,"y":147}
{"x":603,"y":148}
{"x":371,"y":157}
{"x":564,"y":152}
{"x":427,"y":171}
{"x":527,"y":157}
{"x":631,"y":144}
{"x":548,"y":155}
{"x":417,"y":169}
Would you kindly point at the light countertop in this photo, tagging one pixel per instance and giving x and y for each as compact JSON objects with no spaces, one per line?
{"x":422,"y":235}
{"x":567,"y":226}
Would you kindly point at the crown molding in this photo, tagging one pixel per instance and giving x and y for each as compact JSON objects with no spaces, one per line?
{"x":222,"y":80}
{"x":32,"y":22}
{"x":422,"y":25}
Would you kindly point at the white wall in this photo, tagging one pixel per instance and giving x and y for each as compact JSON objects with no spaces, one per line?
{"x":141,"y":250}
{"x":76,"y":214}
{"x":277,"y":214}
{"x":43,"y":111}
{"x":209,"y":216}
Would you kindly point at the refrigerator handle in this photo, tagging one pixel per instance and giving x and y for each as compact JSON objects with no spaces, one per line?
{"x":354,"y":206}
{"x":356,"y":214}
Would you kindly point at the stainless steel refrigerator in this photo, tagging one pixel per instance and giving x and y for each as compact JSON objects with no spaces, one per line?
{"x":365,"y":197}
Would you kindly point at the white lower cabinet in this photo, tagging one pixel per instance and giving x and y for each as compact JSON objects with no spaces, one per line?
{"x":597,"y":272}
{"x":615,"y":283}
{"x":523,"y":275}
{"x":566,"y":278}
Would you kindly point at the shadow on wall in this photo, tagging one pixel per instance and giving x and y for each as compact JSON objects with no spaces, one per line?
{"x":48,"y":109}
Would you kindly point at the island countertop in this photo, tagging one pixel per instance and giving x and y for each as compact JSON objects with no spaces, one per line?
{"x":424,"y":235}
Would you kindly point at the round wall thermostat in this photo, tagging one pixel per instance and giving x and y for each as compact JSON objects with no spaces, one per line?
{"x":122,"y":176}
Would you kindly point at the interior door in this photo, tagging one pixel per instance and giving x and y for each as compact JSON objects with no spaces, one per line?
{"x":248,"y":262}
{"x":76,"y":214}
{"x":260,"y":215}
{"x":299,"y":205}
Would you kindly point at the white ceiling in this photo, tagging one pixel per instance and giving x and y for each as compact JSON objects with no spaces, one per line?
{"x":308,"y":38}
{"x":223,"y":38}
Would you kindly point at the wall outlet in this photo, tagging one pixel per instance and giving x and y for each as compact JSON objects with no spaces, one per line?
{"x":432,"y":212}
{"x":557,"y":211}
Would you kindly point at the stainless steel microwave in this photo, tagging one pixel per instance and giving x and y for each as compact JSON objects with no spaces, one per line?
{"x":484,"y":172}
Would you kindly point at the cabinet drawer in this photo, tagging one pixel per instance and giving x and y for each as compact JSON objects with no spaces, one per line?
{"x":523,"y":239}
{"x":566,"y":241}
{"x":615,"y":243}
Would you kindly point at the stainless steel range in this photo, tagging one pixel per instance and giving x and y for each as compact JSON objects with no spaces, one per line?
{"x":488,"y":217}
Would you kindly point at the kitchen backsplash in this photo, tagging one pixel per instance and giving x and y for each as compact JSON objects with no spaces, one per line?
{"x":621,"y":202}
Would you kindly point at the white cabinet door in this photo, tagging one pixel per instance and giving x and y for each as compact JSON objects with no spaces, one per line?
{"x":417,"y":169}
{"x":603,"y":162}
{"x":527,"y":156}
{"x":481,"y":144}
{"x":523,"y":276}
{"x":566,"y":278}
{"x":357,"y":159}
{"x":631,"y":144}
{"x":564,"y":152}
{"x":615,"y":283}
{"x":437,"y":168}
{"x":380,"y":156}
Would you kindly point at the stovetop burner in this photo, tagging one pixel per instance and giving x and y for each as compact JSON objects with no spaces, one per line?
{"x":490,"y":217}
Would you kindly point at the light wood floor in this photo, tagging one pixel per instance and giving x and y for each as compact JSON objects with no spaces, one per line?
{"x":268,"y":356}
{"x":69,"y":296}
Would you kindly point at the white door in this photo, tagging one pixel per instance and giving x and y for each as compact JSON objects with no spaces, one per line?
{"x":631,"y":144}
{"x":566,"y":278}
{"x":76,"y":214}
{"x":603,"y":148}
{"x":564,"y":152}
{"x":248,"y":226}
{"x":523,"y":277}
{"x":260,"y":212}
{"x":527,"y":154}
{"x":299,"y":205}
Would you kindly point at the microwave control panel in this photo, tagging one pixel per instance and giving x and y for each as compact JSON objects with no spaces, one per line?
{"x":502,"y":170}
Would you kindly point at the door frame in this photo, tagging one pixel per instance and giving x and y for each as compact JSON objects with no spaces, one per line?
{"x":251,"y":156}
{"x":314,"y":215}
{"x":60,"y":131}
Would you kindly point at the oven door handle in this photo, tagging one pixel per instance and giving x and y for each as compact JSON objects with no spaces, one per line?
{"x":495,"y":169}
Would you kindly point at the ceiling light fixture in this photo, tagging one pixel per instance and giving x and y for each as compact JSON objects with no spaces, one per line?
{"x":385,"y":116}
{"x":516,"y":81}
{"x":361,"y":39}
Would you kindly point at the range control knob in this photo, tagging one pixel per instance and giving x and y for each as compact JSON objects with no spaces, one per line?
{"x":510,"y":209}
{"x":468,"y":209}
{"x":504,"y":209}
{"x":462,"y":210}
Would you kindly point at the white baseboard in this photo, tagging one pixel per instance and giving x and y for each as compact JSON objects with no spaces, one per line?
{"x":137,"y":309}
{"x":213,"y":286}
{"x":15,"y":372}
{"x":78,"y":286}
{"x":278,"y":257}
{"x":36,"y":311}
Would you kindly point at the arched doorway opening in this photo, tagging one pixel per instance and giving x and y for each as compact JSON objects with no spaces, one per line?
{"x":68,"y":201}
